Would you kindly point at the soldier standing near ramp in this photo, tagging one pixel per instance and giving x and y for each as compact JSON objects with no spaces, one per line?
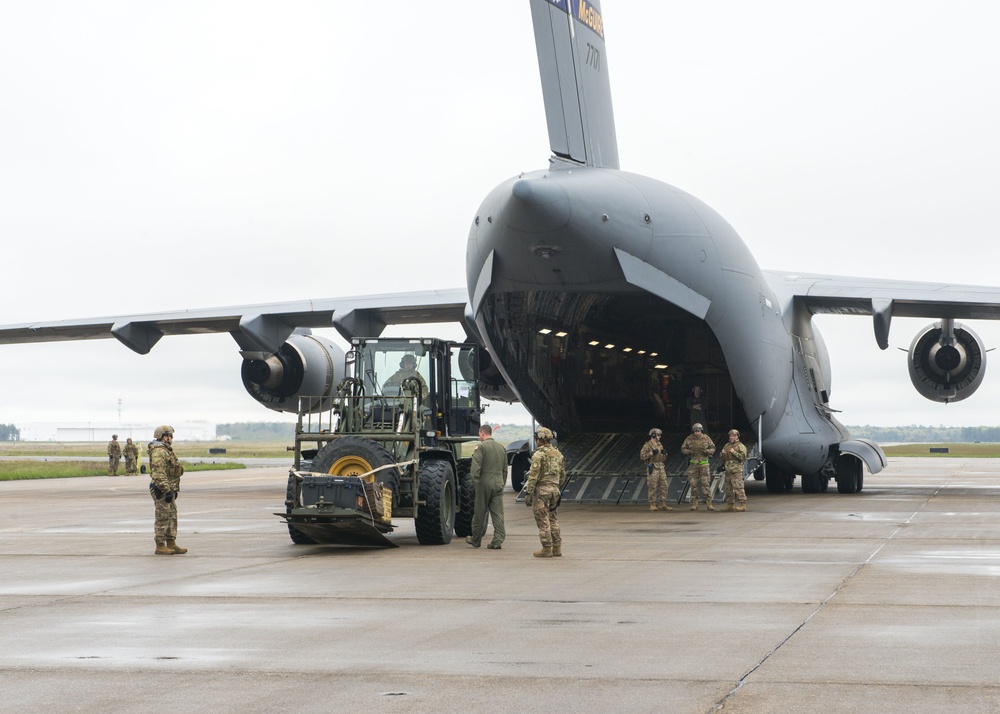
{"x":489,"y":476}
{"x":546,"y":477}
{"x":699,"y":448}
{"x":653,"y":455}
{"x":165,"y":471}
{"x":131,"y":454}
{"x":114,"y":455}
{"x":734,"y":454}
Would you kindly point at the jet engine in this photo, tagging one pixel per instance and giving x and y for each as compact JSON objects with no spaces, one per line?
{"x":947,"y":361}
{"x":492,"y":385}
{"x":304,"y":366}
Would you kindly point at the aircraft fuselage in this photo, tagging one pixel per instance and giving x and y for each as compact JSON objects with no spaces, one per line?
{"x":590,"y":286}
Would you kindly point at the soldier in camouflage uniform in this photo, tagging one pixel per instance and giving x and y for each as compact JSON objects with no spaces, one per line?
{"x":653,"y":455}
{"x":734,"y":455}
{"x":699,"y":448}
{"x":131,"y":454}
{"x":546,"y":477}
{"x":114,"y":455}
{"x":165,"y":471}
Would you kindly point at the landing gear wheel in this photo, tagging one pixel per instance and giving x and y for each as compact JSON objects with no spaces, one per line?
{"x":811,"y":483}
{"x":466,"y":499}
{"x":777,"y":479}
{"x":847,"y":474}
{"x":519,"y":466}
{"x":435,"y":521}
{"x":355,"y":455}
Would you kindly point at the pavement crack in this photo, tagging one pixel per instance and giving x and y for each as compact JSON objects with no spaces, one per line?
{"x":822,"y":605}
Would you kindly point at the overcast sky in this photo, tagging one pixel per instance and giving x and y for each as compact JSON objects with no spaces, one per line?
{"x":160,"y":156}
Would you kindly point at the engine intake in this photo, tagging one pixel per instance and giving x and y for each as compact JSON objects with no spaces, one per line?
{"x":947,"y":362}
{"x":304,"y":366}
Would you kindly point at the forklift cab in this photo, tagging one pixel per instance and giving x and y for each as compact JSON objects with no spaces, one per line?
{"x":443,"y":376}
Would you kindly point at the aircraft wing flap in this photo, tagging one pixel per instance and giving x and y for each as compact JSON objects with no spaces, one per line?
{"x":833,"y":294}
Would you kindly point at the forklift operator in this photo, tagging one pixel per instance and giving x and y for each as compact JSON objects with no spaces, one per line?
{"x":407,"y":370}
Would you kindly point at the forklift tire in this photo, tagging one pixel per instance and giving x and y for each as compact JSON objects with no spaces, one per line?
{"x":466,"y":499}
{"x":435,"y":521}
{"x":355,"y":455}
{"x":297,"y":536}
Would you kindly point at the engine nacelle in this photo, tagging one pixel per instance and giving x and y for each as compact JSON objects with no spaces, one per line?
{"x":947,"y":362}
{"x":492,"y":385}
{"x":304,"y":366}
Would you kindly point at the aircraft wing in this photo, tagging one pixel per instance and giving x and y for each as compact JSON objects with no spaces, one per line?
{"x":255,"y":327}
{"x":882,"y":299}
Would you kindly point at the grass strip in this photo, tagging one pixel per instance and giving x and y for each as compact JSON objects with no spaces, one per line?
{"x":955,"y":450}
{"x":34,"y":469}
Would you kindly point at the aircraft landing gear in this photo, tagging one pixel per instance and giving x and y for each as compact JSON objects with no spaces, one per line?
{"x":850,"y":474}
{"x":777,"y":479}
{"x":519,"y":466}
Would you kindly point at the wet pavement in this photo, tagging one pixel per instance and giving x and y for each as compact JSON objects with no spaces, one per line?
{"x":883,"y":601}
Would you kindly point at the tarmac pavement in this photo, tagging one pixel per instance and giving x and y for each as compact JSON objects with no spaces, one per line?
{"x":882,"y":601}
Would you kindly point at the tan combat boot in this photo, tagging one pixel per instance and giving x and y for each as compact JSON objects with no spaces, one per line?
{"x":741,"y":508}
{"x":545,"y":552}
{"x":162,"y":549}
{"x":665,"y":507}
{"x":172,"y":544}
{"x":557,"y":550}
{"x":709,"y":506}
{"x":652,"y":506}
{"x":694,"y":505}
{"x":728,"y":507}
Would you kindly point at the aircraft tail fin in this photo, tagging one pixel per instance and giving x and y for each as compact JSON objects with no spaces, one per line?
{"x":569,"y":38}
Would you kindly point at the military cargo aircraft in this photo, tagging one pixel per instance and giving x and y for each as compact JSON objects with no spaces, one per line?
{"x":601,"y":296}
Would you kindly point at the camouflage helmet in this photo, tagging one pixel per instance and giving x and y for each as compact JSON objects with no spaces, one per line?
{"x":543,"y":434}
{"x":162,"y":431}
{"x":114,"y":436}
{"x":696,"y":427}
{"x":655,"y":432}
{"x":734,"y":432}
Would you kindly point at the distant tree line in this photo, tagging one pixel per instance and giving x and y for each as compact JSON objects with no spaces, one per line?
{"x":9,"y":432}
{"x":506,"y":433}
{"x":256,"y":431}
{"x":918,"y":434}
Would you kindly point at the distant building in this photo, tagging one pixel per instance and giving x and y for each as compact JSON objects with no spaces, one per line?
{"x":102,"y":431}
